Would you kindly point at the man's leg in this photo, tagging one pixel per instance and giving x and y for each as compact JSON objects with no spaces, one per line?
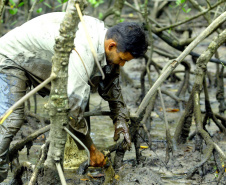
{"x":12,"y":88}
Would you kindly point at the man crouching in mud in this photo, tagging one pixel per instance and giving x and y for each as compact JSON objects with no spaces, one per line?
{"x":25,"y":61}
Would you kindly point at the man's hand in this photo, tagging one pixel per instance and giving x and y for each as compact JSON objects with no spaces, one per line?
{"x":122,"y":127}
{"x":96,"y":157}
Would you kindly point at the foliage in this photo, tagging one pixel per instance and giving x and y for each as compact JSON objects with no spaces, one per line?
{"x":95,"y":3}
{"x":39,"y":10}
{"x":183,"y":5}
{"x":100,"y":15}
{"x":122,"y":20}
{"x":14,"y":7}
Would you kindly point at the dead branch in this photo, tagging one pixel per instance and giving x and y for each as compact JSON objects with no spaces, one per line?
{"x":20,"y":145}
{"x":39,"y":165}
{"x":192,"y":18}
{"x":201,"y":9}
{"x":32,"y":9}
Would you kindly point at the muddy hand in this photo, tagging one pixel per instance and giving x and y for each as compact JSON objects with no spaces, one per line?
{"x":121,"y":127}
{"x":97,"y":158}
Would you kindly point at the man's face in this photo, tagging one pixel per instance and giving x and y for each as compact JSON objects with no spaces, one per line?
{"x":118,"y":58}
{"x":115,"y":57}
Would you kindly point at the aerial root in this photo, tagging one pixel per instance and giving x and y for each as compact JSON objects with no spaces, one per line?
{"x":206,"y":137}
{"x":23,"y":167}
{"x":39,"y":166}
{"x":212,"y":148}
{"x":194,"y":169}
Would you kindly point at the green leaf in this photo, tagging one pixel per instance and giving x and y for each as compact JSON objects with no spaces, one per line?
{"x":178,"y":2}
{"x":2,"y":21}
{"x":48,"y":5}
{"x":182,"y":1}
{"x":184,"y":10}
{"x":41,"y":1}
{"x":12,"y":2}
{"x":95,"y":3}
{"x":100,"y":15}
{"x":121,"y":20}
{"x":188,"y":10}
{"x":21,"y":4}
{"x":59,"y":5}
{"x":64,"y":1}
{"x":59,"y":1}
{"x":169,"y":30}
{"x":13,"y":11}
{"x":39,"y":10}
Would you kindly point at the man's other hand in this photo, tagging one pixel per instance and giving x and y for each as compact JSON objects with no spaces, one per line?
{"x":96,"y":157}
{"x":122,"y":127}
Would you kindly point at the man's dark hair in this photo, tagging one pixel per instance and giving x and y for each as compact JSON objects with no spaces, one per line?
{"x":130,"y":37}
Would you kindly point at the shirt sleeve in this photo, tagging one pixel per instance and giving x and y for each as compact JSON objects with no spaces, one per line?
{"x":110,"y":90}
{"x":82,"y":64}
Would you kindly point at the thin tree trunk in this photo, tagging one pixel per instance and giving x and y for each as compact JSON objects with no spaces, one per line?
{"x":58,"y":101}
{"x":2,"y":3}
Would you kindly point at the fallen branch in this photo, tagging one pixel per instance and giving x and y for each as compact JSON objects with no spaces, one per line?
{"x":20,"y":145}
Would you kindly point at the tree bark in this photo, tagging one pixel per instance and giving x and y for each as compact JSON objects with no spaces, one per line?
{"x":58,"y":101}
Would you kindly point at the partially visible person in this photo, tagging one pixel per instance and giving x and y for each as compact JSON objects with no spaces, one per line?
{"x":25,"y":61}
